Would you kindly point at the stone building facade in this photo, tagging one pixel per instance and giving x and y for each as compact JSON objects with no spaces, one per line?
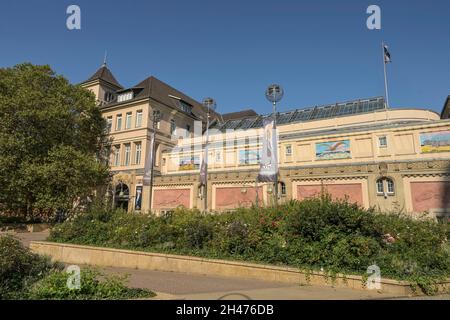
{"x":391,"y":159}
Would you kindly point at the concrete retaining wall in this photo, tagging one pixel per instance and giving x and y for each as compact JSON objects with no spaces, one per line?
{"x":76,"y":254}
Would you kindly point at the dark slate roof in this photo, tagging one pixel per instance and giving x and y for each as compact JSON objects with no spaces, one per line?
{"x":160,"y":91}
{"x":106,"y":75}
{"x":239,"y":115}
{"x":446,"y":110}
{"x":309,"y":114}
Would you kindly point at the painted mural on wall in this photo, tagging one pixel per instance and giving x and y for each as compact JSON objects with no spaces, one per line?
{"x":333,"y":150}
{"x":433,"y":142}
{"x":249,"y":157}
{"x":189,"y":163}
{"x":238,"y":197}
{"x":430,"y":196}
{"x":171,"y":198}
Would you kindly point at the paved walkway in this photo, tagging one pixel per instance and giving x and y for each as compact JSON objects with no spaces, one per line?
{"x":197,"y":287}
{"x":174,"y":285}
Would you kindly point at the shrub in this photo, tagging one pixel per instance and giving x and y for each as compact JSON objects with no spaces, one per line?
{"x":19,"y":268}
{"x":313,"y":234}
{"x":94,"y":285}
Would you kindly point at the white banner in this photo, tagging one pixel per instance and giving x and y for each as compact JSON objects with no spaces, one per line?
{"x":204,"y":166}
{"x":149,"y":161}
{"x":269,"y":154}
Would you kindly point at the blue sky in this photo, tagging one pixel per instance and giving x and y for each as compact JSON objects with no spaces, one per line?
{"x":320,"y":51}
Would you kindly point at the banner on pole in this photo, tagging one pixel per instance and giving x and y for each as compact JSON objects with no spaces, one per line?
{"x":204,"y":166}
{"x":269,"y":154}
{"x":148,"y":170}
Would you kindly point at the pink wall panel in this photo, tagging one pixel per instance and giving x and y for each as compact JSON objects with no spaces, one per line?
{"x":171,"y":198}
{"x":233,"y":197}
{"x":337,"y":191}
{"x":430,"y":195}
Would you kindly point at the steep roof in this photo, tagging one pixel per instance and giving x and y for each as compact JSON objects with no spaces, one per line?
{"x":446,"y":110}
{"x":239,"y":115}
{"x":158,"y":90}
{"x":103,"y":73}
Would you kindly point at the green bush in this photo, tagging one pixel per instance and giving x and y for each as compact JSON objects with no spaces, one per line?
{"x":19,"y":268}
{"x":94,"y":285}
{"x":313,"y":234}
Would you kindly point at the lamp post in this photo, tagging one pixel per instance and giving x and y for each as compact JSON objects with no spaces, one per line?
{"x":156,"y":119}
{"x":209,"y":104}
{"x":274,"y":94}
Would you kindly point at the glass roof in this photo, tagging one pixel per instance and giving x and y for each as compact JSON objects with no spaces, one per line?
{"x":309,"y":114}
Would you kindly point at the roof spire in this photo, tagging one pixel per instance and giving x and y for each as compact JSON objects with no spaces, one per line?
{"x":104,"y":59}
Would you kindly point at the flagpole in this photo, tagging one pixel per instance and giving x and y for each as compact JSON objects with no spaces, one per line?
{"x":210,"y":105}
{"x":156,"y":118}
{"x":275,"y":149}
{"x":204,"y":160}
{"x":385,"y":76}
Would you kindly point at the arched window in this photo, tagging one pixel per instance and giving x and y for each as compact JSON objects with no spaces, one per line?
{"x":390,"y":187}
{"x":380,"y":187}
{"x":385,"y":187}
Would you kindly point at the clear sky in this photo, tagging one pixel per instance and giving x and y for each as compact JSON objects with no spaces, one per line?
{"x":320,"y":51}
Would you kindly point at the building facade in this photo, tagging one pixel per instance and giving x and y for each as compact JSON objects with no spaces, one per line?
{"x":390,"y":159}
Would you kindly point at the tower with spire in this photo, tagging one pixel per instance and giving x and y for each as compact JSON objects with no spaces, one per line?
{"x":103,"y":84}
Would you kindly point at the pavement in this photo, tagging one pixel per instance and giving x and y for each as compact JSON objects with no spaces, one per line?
{"x":183,"y":286}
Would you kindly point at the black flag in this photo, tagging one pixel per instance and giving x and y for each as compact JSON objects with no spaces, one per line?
{"x":387,"y":55}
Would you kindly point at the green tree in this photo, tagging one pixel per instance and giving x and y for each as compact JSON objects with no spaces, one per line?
{"x":52,"y":142}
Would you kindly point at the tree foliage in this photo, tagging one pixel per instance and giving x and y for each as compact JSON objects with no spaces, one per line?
{"x":52,"y":139}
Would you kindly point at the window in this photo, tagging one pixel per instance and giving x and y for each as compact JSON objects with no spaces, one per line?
{"x":125,"y":96}
{"x":127,"y":154}
{"x":109,"y":121}
{"x":380,"y":186}
{"x":117,"y":155}
{"x":128,"y":120}
{"x":184,"y":106}
{"x":390,"y":186}
{"x":173,"y":127}
{"x":382,"y":142}
{"x":108,"y":97}
{"x":288,"y":150}
{"x":107,"y":155}
{"x":385,"y":187}
{"x":158,"y":123}
{"x":283,"y":188}
{"x":139,"y":119}
{"x":119,"y":122}
{"x":138,"y":148}
{"x":218,"y":156}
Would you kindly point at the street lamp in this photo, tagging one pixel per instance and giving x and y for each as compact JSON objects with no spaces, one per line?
{"x":156,"y":119}
{"x":274,"y":94}
{"x":210,"y":105}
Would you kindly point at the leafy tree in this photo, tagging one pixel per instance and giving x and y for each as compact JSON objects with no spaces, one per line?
{"x":52,"y":142}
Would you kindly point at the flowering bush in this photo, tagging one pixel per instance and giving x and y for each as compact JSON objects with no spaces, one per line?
{"x":313,"y":234}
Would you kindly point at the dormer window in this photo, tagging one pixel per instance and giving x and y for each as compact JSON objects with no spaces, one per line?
{"x":184,"y":106}
{"x":125,"y":96}
{"x":108,"y":97}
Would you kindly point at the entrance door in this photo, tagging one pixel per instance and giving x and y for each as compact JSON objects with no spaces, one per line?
{"x":122,"y":196}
